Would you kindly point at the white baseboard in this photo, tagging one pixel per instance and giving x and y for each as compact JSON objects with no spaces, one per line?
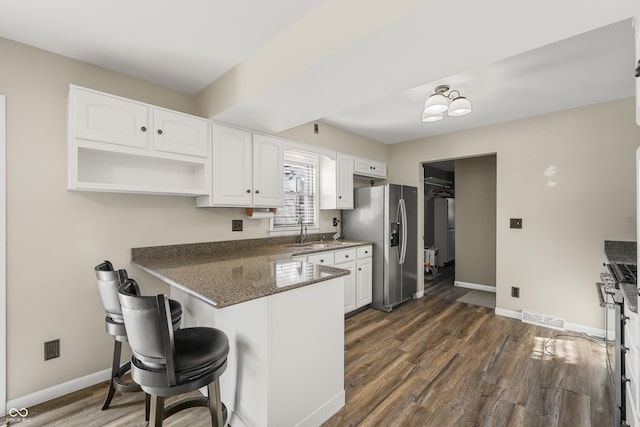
{"x":59,"y":390}
{"x":588,"y":330}
{"x":508,"y":313}
{"x":419,"y":294}
{"x":575,"y":327}
{"x":474,"y":286}
{"x":325,"y":412}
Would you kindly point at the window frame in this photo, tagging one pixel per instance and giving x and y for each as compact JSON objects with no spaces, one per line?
{"x":304,"y":158}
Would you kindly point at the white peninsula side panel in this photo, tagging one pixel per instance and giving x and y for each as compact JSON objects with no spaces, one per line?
{"x":286,"y":357}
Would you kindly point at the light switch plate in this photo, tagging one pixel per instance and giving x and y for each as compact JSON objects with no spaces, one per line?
{"x":515,"y":223}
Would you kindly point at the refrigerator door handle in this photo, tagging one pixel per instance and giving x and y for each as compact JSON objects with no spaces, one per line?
{"x":403,"y":226}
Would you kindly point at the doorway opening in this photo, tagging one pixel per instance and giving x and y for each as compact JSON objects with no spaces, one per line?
{"x":460,"y":227}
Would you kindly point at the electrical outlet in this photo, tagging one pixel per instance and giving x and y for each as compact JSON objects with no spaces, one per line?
{"x":515,"y":223}
{"x":236,"y":225}
{"x":51,"y":349}
{"x":515,"y":292}
{"x":335,"y":222}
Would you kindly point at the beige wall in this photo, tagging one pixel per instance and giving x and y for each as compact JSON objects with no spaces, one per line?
{"x":55,"y":237}
{"x":557,"y":256}
{"x":476,"y":220}
{"x":339,"y":140}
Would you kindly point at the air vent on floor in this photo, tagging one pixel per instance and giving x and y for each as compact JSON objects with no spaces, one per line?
{"x":542,"y":320}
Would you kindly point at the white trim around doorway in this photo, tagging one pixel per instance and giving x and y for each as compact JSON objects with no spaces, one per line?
{"x":3,"y":257}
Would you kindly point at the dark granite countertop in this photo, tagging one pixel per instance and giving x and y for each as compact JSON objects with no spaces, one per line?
{"x":226,"y":273}
{"x":621,"y":251}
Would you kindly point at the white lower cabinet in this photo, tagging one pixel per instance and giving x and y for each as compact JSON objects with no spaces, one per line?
{"x":358,"y":290}
{"x":346,"y":259}
{"x":631,"y":367}
{"x":364,"y":276}
{"x":359,"y":262}
{"x":322,"y":258}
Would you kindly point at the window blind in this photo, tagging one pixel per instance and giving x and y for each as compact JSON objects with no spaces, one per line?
{"x":299,"y":193}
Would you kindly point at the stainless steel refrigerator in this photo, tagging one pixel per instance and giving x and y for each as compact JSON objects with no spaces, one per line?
{"x":386,"y":216}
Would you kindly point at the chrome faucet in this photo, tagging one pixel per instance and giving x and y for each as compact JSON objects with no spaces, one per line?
{"x":303,"y":229}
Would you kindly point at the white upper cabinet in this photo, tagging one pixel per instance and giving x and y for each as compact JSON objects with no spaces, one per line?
{"x":179,"y":133}
{"x":336,"y":182}
{"x":370,"y":168}
{"x":268,"y":171}
{"x":103,"y":118}
{"x":106,"y":118}
{"x":637,"y":72}
{"x":232,"y":157}
{"x":125,"y":146}
{"x":247,"y":170}
{"x":344,"y":178}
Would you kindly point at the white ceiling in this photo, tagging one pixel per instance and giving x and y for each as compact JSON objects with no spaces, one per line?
{"x":528,"y":59}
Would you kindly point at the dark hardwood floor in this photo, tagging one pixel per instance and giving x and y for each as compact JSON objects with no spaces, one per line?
{"x":431,"y":362}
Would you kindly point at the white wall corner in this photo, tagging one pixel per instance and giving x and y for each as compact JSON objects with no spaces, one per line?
{"x":476,"y":286}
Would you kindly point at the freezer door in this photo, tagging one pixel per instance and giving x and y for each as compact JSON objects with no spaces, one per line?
{"x":393,"y":291}
{"x":410,"y":265}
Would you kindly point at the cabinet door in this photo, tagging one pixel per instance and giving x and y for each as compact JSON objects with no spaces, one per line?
{"x":268,"y":171}
{"x":180,"y":134}
{"x":364,"y":279}
{"x":344,"y":178}
{"x":379,"y":169}
{"x":350,"y":289}
{"x":104,"y":118}
{"x":231,"y":152}
{"x":362,"y":166}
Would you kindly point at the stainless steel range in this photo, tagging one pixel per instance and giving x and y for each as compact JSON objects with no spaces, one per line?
{"x":621,"y":269}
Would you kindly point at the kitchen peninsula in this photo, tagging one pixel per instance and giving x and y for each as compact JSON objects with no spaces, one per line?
{"x":284,"y":318}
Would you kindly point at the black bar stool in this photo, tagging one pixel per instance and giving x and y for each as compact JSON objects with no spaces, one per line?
{"x":108,"y":282}
{"x":167,"y":362}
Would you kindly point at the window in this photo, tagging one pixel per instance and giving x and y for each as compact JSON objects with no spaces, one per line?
{"x":300,"y":190}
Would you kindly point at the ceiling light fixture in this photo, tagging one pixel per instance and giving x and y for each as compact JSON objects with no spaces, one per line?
{"x":441,"y":101}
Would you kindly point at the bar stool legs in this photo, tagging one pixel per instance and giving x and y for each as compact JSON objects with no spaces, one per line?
{"x":117,"y":371}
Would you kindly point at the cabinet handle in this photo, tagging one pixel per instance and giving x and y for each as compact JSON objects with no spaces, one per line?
{"x":248,"y":191}
{"x":366,"y":252}
{"x":159,"y":131}
{"x":321,"y":260}
{"x":257,"y":191}
{"x":360,"y":269}
{"x":624,"y":319}
{"x":339,"y":197}
{"x":638,"y":69}
{"x":143,"y":128}
{"x":624,"y":349}
{"x":624,"y":379}
{"x":346,"y":256}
